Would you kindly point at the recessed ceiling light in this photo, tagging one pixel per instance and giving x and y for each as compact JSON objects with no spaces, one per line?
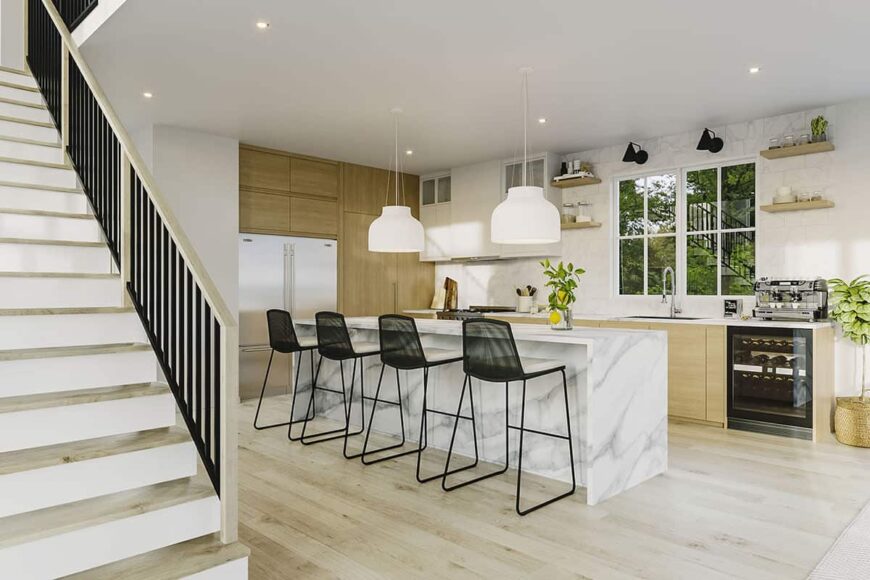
{"x":754,"y":70}
{"x":409,"y":152}
{"x":262,"y":24}
{"x":542,"y":120}
{"x":147,"y":95}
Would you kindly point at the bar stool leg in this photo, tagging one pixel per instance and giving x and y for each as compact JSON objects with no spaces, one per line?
{"x":323,"y":435}
{"x":520,"y":461}
{"x":311,"y":412}
{"x":349,"y":407}
{"x":447,"y":471}
{"x":375,"y":401}
{"x":263,"y":392}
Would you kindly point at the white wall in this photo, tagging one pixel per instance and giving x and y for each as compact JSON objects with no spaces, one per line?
{"x":12,"y":33}
{"x":199,"y":174}
{"x":828,"y":243}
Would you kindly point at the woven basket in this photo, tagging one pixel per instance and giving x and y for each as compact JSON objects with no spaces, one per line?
{"x":852,"y":421}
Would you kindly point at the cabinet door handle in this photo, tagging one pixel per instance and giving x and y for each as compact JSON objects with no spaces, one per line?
{"x":396,"y":297}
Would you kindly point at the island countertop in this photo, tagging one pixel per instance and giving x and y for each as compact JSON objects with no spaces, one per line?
{"x":617,"y":384}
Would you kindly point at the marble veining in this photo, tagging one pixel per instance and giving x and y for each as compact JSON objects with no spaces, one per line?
{"x":617,"y":397}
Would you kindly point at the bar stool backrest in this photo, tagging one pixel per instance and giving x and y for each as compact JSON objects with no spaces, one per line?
{"x":400,"y":342}
{"x":333,"y":339}
{"x":282,"y":334}
{"x":490,"y":352}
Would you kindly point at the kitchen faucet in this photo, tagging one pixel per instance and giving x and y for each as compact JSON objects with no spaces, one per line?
{"x":674,"y":309}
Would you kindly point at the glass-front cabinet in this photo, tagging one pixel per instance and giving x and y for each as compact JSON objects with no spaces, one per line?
{"x":770,"y":382}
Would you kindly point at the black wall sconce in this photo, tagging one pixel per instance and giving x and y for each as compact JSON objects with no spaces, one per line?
{"x":710,"y":142}
{"x":633,"y":155}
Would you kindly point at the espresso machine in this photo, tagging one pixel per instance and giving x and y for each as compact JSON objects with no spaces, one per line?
{"x":796,"y":299}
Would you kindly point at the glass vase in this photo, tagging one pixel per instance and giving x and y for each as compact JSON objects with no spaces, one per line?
{"x":565,"y":319}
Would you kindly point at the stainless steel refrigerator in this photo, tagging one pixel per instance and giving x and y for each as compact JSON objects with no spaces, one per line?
{"x":296,"y":274}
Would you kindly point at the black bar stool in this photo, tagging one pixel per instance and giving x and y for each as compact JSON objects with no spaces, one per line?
{"x":491,"y":356}
{"x":334,"y":343}
{"x":402,"y":349}
{"x":283,"y":338}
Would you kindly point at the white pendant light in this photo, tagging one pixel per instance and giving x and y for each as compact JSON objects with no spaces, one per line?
{"x":396,"y":230}
{"x":525,"y":217}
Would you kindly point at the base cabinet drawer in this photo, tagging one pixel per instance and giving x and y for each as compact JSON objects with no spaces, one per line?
{"x":687,"y":370}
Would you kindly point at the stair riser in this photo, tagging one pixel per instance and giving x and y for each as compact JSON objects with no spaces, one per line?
{"x":24,"y":131}
{"x":24,"y":112}
{"x":54,"y":375}
{"x":39,"y":427}
{"x":72,"y":259}
{"x":59,"y":292}
{"x":61,"y":484}
{"x":20,"y":95}
{"x":36,"y":175}
{"x":42,"y":199}
{"x":19,"y":79}
{"x":37,"y":227}
{"x":30,"y":152}
{"x":69,"y":330}
{"x":235,"y":570}
{"x":105,"y":543}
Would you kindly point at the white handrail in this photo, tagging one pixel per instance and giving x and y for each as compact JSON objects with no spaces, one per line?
{"x":229,"y":387}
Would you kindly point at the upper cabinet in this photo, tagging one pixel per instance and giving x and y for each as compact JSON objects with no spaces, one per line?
{"x":475,"y":194}
{"x":264,"y":171}
{"x":313,"y":177}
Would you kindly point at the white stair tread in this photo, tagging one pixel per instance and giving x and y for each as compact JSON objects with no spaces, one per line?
{"x":23,"y":103}
{"x":28,"y":527}
{"x":80,"y":397}
{"x":65,"y":351}
{"x":63,"y":311}
{"x":76,"y":451}
{"x":40,"y":242}
{"x":24,"y":141}
{"x":58,"y":275}
{"x":172,"y":562}
{"x":19,"y":87}
{"x":16,"y":71}
{"x":37,"y":186}
{"x":46,"y":213}
{"x":25,"y":121}
{"x":36,"y":163}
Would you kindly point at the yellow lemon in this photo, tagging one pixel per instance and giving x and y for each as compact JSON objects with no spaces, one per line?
{"x":555,"y":317}
{"x":561,"y":294}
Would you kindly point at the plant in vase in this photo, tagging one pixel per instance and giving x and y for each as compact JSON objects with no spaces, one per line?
{"x":851,"y":310}
{"x":562,"y":281}
{"x":819,"y":127}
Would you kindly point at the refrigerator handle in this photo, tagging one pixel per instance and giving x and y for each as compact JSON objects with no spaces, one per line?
{"x":290,"y":279}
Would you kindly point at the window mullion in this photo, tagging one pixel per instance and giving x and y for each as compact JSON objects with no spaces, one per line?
{"x":646,"y":236}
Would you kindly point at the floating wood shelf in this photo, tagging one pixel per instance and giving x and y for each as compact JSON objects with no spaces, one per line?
{"x":807,"y":149}
{"x":581,"y":225}
{"x":575,"y":182}
{"x":798,"y":206}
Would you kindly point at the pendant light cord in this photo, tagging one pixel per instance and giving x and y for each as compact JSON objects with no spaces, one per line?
{"x":525,"y":123}
{"x":396,"y":166}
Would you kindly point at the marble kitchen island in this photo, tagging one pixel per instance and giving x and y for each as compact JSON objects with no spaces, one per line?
{"x":618,"y":399}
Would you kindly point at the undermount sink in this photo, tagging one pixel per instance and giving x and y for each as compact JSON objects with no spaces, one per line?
{"x":665,"y":317}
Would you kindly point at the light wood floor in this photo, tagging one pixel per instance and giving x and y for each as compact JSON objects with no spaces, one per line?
{"x":732,"y":505}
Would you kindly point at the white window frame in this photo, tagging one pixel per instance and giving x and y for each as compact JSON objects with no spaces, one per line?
{"x":646,"y":235}
{"x":681,"y":227}
{"x":436,"y":177}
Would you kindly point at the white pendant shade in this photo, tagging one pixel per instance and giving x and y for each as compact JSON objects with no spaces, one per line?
{"x":525,"y":217}
{"x":396,"y":230}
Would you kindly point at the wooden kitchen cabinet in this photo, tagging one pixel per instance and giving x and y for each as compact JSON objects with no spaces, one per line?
{"x":363,"y":188}
{"x":717,"y":373}
{"x":313,"y":216}
{"x":369,"y":279}
{"x":687,"y":369}
{"x":264,"y":170}
{"x":263,"y":212}
{"x":314,"y":177}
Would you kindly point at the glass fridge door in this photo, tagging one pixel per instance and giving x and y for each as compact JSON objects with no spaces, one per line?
{"x":771,"y":376}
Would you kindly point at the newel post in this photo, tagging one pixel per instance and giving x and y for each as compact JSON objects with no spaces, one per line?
{"x":229,"y":401}
{"x":64,"y":96}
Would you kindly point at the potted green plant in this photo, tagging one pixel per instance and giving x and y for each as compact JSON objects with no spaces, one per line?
{"x":851,"y":310}
{"x":819,"y":127}
{"x":563,"y":281}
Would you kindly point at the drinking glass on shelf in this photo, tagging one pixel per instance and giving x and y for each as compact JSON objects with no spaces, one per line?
{"x":773,"y":143}
{"x":788,"y":141}
{"x":804,"y":139}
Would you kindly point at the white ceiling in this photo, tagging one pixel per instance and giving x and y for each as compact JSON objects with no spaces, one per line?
{"x":322,"y":79}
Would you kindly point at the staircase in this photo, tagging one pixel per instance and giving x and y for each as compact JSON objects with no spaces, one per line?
{"x":104,"y":470}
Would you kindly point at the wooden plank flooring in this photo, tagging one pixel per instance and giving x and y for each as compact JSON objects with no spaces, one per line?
{"x":732,"y":505}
